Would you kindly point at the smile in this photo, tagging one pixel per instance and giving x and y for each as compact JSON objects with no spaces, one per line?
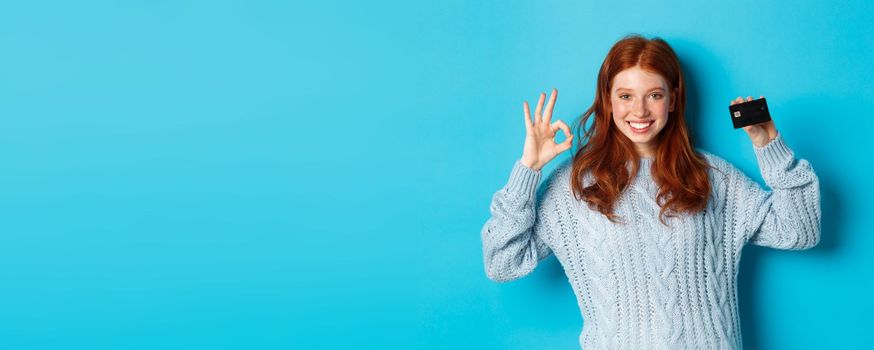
{"x":640,"y":127}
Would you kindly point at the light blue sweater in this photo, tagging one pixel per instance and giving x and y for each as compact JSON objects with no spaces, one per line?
{"x":644,"y":285}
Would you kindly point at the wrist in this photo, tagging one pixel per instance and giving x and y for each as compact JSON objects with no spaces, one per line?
{"x":765,"y":140}
{"x":530,"y":163}
{"x":761,"y":143}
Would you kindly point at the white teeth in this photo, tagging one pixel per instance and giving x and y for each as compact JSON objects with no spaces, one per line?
{"x":640,"y":125}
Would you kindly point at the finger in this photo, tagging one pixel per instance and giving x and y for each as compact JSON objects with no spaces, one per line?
{"x":527,"y":115}
{"x":548,"y":115}
{"x":739,"y":99}
{"x":564,"y":146}
{"x":537,"y":115}
{"x":568,"y":137}
{"x":749,"y":98}
{"x":559,"y":124}
{"x":761,"y":97}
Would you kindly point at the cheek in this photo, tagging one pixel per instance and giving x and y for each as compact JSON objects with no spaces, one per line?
{"x":617,"y":115}
{"x":660,"y":109}
{"x":619,"y":110}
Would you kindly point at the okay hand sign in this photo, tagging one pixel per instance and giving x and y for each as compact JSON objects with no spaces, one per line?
{"x":540,"y":145}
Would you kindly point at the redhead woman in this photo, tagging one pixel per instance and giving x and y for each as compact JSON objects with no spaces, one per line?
{"x":648,"y":229}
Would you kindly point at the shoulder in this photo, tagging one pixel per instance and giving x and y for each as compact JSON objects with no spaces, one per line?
{"x":720,"y":169}
{"x":558,"y":180}
{"x":713,"y":160}
{"x":561,"y":173}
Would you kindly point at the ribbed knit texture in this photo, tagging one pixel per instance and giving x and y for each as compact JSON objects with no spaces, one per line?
{"x":643,"y":285}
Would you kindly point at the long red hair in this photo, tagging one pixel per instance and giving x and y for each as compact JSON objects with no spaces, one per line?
{"x":679,"y":171}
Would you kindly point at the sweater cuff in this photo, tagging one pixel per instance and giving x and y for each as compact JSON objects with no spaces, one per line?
{"x":774,"y":154}
{"x":523,"y":180}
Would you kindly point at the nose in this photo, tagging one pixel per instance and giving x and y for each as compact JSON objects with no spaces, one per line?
{"x":639,"y":108}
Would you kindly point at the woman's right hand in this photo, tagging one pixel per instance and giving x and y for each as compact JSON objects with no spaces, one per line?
{"x":540,"y":146}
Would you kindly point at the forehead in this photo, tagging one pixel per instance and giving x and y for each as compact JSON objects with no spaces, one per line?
{"x":635,"y":78}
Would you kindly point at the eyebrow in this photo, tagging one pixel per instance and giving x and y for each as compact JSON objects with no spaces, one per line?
{"x":651,"y":89}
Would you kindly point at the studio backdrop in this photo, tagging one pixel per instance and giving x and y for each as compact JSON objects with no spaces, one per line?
{"x":315,"y":175}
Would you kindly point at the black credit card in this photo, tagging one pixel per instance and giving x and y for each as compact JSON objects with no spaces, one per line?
{"x":749,"y":113}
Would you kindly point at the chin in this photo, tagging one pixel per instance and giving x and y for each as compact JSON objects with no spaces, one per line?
{"x":638,"y":138}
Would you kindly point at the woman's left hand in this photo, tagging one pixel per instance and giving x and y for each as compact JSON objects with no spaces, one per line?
{"x":761,"y":133}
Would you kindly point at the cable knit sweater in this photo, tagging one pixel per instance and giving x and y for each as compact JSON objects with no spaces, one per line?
{"x":642,"y":285}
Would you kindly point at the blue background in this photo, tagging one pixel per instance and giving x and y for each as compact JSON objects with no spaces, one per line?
{"x":279,"y":175}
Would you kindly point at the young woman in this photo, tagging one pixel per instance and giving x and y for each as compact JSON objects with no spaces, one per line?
{"x":649,"y":231}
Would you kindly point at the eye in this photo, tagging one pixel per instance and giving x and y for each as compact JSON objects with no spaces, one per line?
{"x":657,"y":96}
{"x":623,"y":96}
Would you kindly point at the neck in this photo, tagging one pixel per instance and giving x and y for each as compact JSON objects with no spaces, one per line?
{"x":644,"y":150}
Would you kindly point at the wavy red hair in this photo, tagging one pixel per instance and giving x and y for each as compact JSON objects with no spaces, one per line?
{"x":679,"y":171}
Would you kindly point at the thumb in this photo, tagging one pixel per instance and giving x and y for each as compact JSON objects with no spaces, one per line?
{"x":566,"y":144}
{"x":752,"y":129}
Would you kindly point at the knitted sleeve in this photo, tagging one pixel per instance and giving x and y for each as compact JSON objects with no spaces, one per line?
{"x":787,"y":216}
{"x":513,"y":242}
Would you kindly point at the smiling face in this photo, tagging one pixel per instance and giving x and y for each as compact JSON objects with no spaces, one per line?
{"x":640,"y":103}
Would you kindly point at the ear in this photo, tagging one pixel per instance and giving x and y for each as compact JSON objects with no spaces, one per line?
{"x":673,"y":99}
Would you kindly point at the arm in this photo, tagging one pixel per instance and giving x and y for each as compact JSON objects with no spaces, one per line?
{"x":787,"y":216}
{"x":512,"y":242}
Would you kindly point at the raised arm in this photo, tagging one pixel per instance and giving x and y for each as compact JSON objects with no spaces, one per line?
{"x":787,"y":216}
{"x":513,"y":237}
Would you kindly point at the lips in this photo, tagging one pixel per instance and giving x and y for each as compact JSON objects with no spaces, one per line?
{"x":640,"y":125}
